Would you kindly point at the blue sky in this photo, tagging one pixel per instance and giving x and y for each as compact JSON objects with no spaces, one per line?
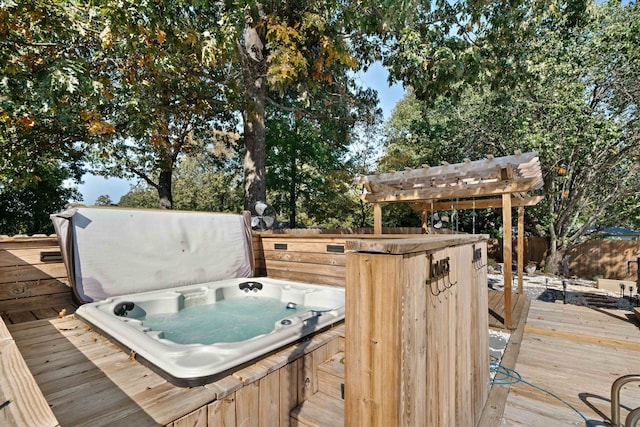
{"x":375,"y":77}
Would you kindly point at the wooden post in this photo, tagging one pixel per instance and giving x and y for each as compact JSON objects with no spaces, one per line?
{"x":520,"y":248}
{"x":377,"y":218}
{"x":425,"y":227}
{"x":506,"y":256}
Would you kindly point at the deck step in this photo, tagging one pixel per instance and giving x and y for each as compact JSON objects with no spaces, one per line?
{"x":602,"y":301}
{"x":326,"y":407}
{"x":331,"y":376}
{"x":320,"y":410}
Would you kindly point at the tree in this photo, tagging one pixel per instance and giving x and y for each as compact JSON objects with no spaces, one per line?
{"x":139,"y":196}
{"x":306,"y":153}
{"x":26,"y":210}
{"x":159,"y":101}
{"x":202,"y":182}
{"x":286,"y":55}
{"x":104,"y":200}
{"x":43,"y":87}
{"x":570,"y":107}
{"x":206,"y":182}
{"x":439,"y":47}
{"x":302,"y":156}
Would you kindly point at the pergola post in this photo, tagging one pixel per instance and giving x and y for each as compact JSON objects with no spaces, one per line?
{"x":425,"y":221}
{"x":506,"y":256}
{"x":520,"y":248}
{"x":377,"y":218}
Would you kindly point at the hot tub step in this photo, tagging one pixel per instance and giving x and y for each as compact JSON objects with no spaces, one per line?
{"x":331,"y":376}
{"x":320,"y":410}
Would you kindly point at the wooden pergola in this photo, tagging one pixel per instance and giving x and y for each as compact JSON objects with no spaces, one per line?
{"x":494,"y":182}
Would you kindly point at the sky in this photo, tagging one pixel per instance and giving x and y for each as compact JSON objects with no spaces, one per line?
{"x":375,"y":77}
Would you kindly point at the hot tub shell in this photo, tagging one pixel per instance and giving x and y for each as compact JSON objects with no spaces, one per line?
{"x":197,"y":364}
{"x":165,"y":261}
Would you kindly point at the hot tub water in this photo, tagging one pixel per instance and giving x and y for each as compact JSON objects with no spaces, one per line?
{"x":192,"y":334}
{"x":228,"y":320}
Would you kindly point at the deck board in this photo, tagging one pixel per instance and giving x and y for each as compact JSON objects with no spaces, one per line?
{"x":24,"y":310}
{"x":88,"y":380}
{"x":22,"y":402}
{"x":496,"y":309}
{"x":497,"y":399}
{"x":575,"y":352}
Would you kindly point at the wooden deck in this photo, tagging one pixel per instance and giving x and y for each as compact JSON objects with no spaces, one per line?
{"x":576,"y":353}
{"x":572,"y":351}
{"x":33,"y":279}
{"x":88,"y":380}
{"x":21,"y":313}
{"x":496,"y":309}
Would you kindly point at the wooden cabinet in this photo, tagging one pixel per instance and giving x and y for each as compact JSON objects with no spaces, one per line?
{"x":417,"y":349}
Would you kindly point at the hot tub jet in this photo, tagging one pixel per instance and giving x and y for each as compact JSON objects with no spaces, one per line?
{"x":250,"y":286}
{"x":122,"y":308}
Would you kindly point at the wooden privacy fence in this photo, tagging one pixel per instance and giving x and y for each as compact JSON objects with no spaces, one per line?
{"x":604,"y":258}
{"x":535,"y":249}
{"x":317,"y":259}
{"x":589,"y":260}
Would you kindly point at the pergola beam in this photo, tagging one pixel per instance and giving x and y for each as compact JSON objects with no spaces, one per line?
{"x":506,"y":257}
{"x":520,"y":248}
{"x":457,"y":191}
{"x":377,"y":218}
{"x":469,"y":169}
{"x":475,"y":204}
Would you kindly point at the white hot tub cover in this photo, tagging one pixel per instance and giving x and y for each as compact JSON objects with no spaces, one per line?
{"x":110,"y":252}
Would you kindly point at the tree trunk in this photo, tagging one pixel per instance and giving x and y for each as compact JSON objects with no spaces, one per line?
{"x":292,"y":191}
{"x":253,"y":67}
{"x":164,"y":189}
{"x":255,"y":188}
{"x":557,"y":249}
{"x":550,"y":262}
{"x":293,"y":180}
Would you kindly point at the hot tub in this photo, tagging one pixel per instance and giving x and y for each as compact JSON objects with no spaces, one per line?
{"x":142,"y":275}
{"x":234,"y":321}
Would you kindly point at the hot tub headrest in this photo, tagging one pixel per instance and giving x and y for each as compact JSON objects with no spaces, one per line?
{"x":111,"y":252}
